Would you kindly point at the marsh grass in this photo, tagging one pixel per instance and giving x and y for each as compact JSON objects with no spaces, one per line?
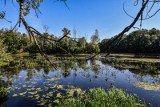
{"x":148,"y":86}
{"x":101,"y":98}
{"x":142,"y":65}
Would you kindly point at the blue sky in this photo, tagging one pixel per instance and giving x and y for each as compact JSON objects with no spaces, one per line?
{"x":85,"y":15}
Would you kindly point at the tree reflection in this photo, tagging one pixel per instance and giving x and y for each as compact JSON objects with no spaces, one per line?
{"x":82,"y":63}
{"x":95,"y":68}
{"x":133,"y":66}
{"x":4,"y":91}
{"x":66,"y":68}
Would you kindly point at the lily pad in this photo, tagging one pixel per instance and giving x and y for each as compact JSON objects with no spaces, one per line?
{"x":59,"y":86}
{"x":50,"y":94}
{"x":38,"y":89}
{"x":54,"y":86}
{"x":59,"y":95}
{"x":71,"y":91}
{"x":22,"y":94}
{"x":33,"y":93}
{"x":37,"y":97}
{"x":47,"y":96}
{"x":42,"y":103}
{"x":15,"y":95}
{"x":56,"y":101}
{"x":50,"y":105}
{"x":24,"y":85}
{"x":44,"y":96}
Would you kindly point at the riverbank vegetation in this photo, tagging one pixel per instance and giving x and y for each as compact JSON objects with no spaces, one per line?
{"x":101,"y":98}
{"x":16,"y":47}
{"x":148,"y":86}
{"x":140,"y":41}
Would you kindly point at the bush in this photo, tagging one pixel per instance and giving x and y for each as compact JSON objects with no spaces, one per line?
{"x":101,"y":98}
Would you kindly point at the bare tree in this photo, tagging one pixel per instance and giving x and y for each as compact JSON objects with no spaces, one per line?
{"x":95,"y":38}
{"x":46,"y":28}
{"x":74,"y":33}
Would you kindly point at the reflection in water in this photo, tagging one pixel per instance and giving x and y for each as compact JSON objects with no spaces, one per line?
{"x":46,"y":83}
{"x":4,"y":91}
{"x":133,"y":65}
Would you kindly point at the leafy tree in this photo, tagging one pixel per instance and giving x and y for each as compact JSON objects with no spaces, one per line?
{"x":14,"y":41}
{"x":82,"y":42}
{"x":92,"y":48}
{"x":140,"y":41}
{"x":103,"y":45}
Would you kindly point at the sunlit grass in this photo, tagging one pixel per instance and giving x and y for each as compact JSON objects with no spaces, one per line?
{"x":148,"y":86}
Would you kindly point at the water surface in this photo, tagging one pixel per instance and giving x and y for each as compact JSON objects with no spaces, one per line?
{"x":42,"y":86}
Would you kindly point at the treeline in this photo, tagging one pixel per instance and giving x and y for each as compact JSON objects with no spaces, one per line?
{"x":15,"y":42}
{"x":140,"y":41}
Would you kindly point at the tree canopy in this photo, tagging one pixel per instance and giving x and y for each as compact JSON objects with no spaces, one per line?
{"x":139,"y":41}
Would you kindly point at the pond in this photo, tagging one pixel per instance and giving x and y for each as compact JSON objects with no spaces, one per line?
{"x":43,"y":86}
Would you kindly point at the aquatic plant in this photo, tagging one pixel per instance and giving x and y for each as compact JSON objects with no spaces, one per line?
{"x":101,"y":98}
{"x":4,"y":92}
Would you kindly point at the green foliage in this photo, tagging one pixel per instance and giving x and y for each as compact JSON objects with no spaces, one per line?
{"x":103,"y":45}
{"x":140,"y":41}
{"x":82,"y":42}
{"x":92,"y":48}
{"x":5,"y":58}
{"x":14,"y":41}
{"x":101,"y":98}
{"x":18,"y":43}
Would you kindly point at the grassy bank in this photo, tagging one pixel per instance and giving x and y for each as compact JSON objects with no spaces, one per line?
{"x":132,"y":55}
{"x":124,"y":61}
{"x":137,"y":57}
{"x":148,"y":86}
{"x":136,"y":64}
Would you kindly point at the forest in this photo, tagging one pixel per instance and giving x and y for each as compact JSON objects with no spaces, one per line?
{"x":140,"y":41}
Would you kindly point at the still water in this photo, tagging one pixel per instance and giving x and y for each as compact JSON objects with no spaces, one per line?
{"x":32,"y":87}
